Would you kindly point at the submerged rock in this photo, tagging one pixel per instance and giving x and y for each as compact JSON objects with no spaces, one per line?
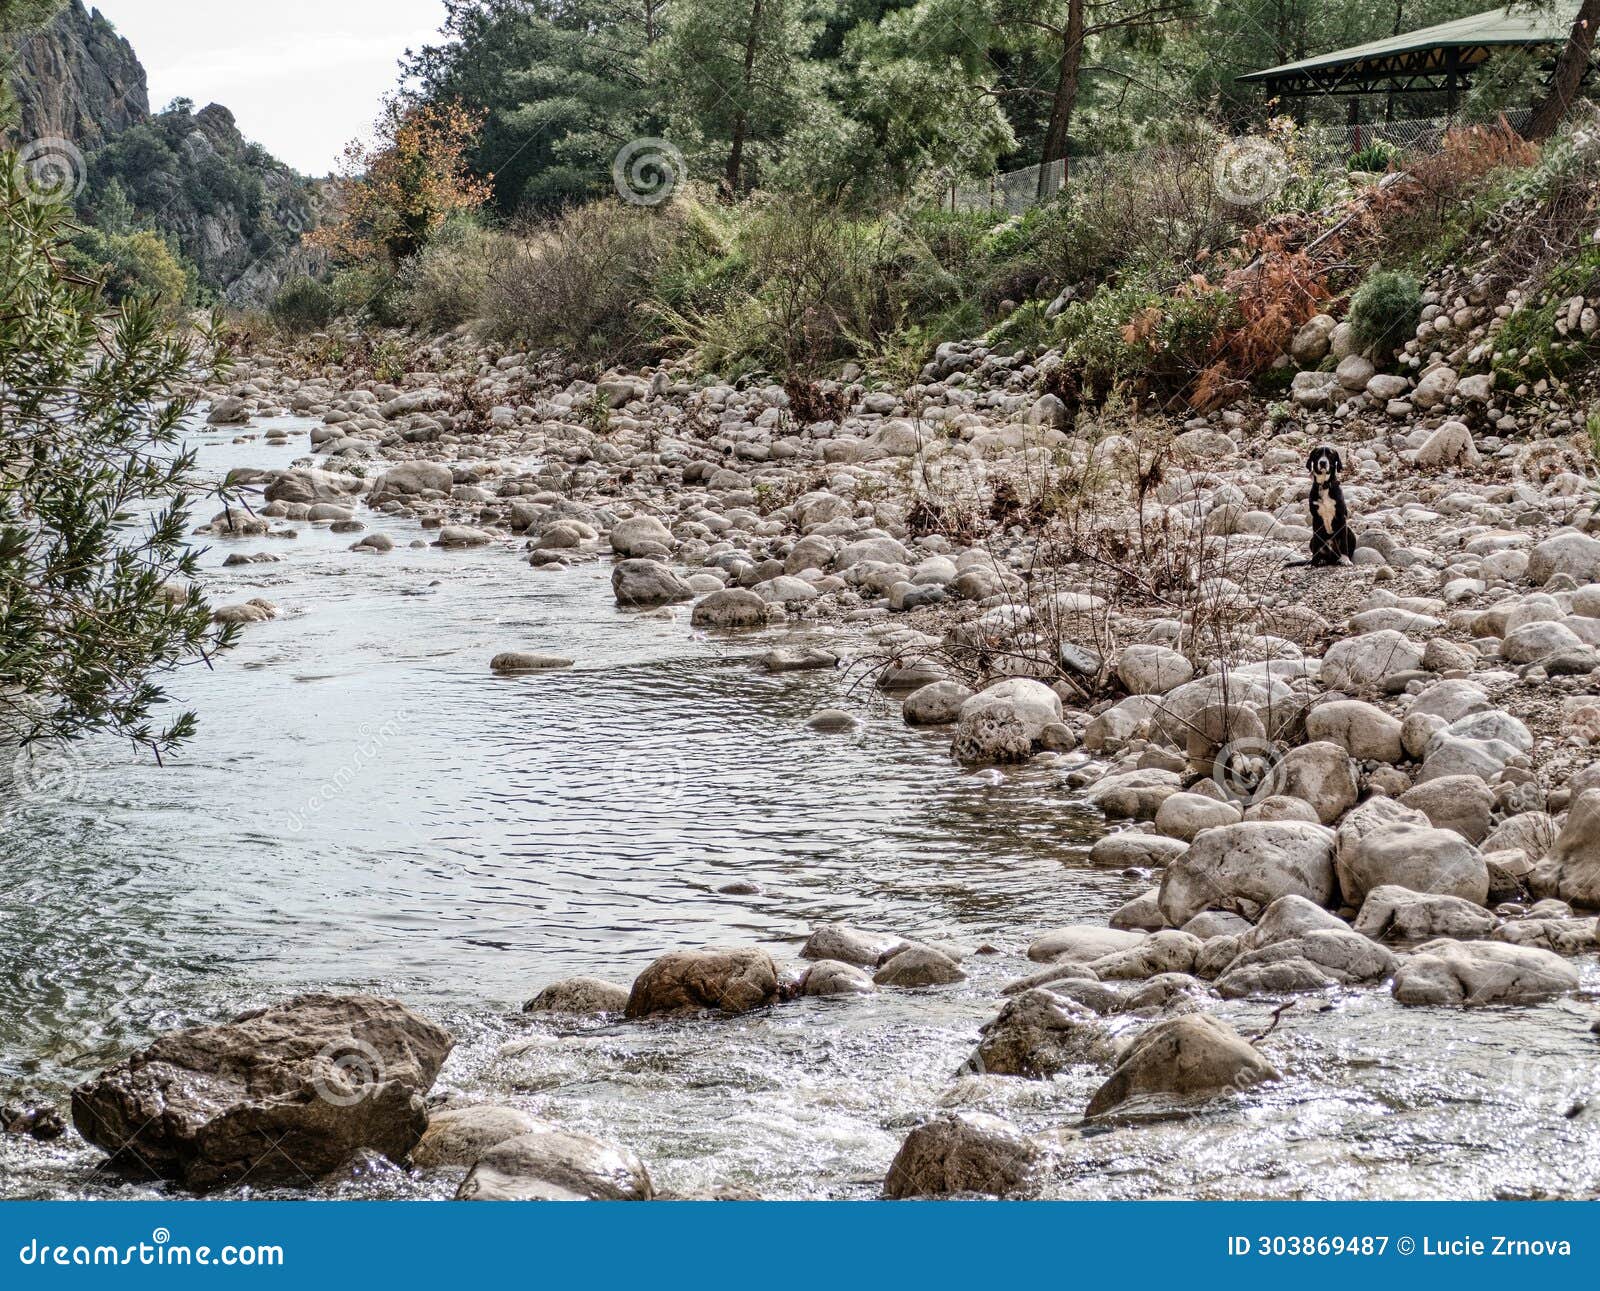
{"x":1039,"y":1033}
{"x":689,"y":981}
{"x":582,"y":995}
{"x":458,"y":1136}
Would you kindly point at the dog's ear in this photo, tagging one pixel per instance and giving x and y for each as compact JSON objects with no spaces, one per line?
{"x":1311,"y":462}
{"x":1338,"y":462}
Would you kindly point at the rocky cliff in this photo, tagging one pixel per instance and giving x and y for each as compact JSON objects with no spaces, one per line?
{"x":235,"y":212}
{"x":77,"y":79}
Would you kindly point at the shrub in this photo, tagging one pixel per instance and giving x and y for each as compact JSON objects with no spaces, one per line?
{"x":94,"y":487}
{"x":442,"y":285}
{"x":1384,"y":312}
{"x":1376,"y":156}
{"x":578,"y":281}
{"x":304,"y":304}
{"x":367,"y":291}
{"x":137,"y":266}
{"x":1135,"y":339}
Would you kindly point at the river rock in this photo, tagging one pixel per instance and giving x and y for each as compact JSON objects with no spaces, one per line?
{"x":1152,"y":669}
{"x":580,"y":995}
{"x":552,"y":1163}
{"x":851,"y":945}
{"x":1361,"y":664}
{"x":831,"y":977}
{"x":1361,"y":729}
{"x":228,"y":410}
{"x":1463,"y":804}
{"x":512,"y":661}
{"x":304,"y":485}
{"x":1005,"y":722}
{"x":645,"y":583}
{"x":1181,"y":1061}
{"x":457,"y":536}
{"x":964,"y":1153}
{"x":411,"y":478}
{"x":458,"y":1136}
{"x":281,"y":1094}
{"x":1080,"y":944}
{"x":1245,"y":867}
{"x":936,"y":704}
{"x":1322,"y":775}
{"x":919,"y":966}
{"x":1417,"y":857}
{"x":1039,"y":1033}
{"x":1312,"y":961}
{"x":1572,"y":869}
{"x":1184,"y":815}
{"x":688,"y":981}
{"x":640,"y":535}
{"x":1481,"y":972}
{"x":732,"y":607}
{"x":1391,"y":913}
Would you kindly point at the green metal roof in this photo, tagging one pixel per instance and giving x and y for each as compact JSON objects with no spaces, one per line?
{"x":1521,"y":25}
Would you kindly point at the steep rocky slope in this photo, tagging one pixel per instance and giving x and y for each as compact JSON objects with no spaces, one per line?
{"x":235,"y":211}
{"x":76,"y":79}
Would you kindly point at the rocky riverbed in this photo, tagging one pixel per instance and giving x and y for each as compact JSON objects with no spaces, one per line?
{"x":1265,"y":881}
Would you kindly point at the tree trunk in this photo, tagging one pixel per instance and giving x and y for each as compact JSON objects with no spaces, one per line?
{"x":741,"y":120}
{"x":1568,"y":76}
{"x":1066,"y":97}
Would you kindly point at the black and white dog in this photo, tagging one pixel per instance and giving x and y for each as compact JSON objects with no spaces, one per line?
{"x":1331,"y":537}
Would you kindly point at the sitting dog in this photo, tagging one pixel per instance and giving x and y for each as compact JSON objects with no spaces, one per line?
{"x":1331,"y":537}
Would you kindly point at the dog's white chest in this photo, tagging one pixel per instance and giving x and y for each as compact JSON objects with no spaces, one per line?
{"x":1326,"y":510}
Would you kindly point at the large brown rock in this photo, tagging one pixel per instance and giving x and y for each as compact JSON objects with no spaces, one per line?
{"x":1039,"y":1033}
{"x":688,"y":981}
{"x":278,"y":1095}
{"x":963,"y":1152}
{"x":1188,"y":1059}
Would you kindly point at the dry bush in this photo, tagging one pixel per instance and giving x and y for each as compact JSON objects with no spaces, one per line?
{"x":576,"y":281}
{"x":1275,"y":295}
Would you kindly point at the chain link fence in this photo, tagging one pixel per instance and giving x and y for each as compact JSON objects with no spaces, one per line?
{"x":1015,"y":191}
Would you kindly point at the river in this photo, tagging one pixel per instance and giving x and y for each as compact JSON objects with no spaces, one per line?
{"x":366,"y":807}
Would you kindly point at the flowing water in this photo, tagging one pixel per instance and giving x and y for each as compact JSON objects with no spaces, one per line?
{"x":366,"y":807}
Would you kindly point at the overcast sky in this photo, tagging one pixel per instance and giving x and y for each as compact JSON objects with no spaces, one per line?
{"x":303,"y":77}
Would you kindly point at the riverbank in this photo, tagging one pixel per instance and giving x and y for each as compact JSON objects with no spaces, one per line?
{"x":825,"y":532}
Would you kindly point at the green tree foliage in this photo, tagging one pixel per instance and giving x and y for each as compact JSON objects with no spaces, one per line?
{"x":563,"y":85}
{"x":94,"y":493}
